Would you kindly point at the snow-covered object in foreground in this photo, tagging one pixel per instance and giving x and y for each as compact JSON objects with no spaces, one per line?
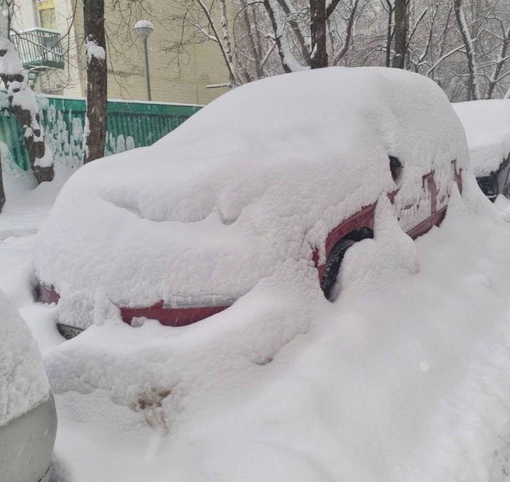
{"x":94,"y":50}
{"x":281,"y":168}
{"x":487,"y":126}
{"x":27,"y":411}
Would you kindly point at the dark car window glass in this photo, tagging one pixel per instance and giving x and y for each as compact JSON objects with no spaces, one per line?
{"x":488,"y":185}
{"x":395,"y":168}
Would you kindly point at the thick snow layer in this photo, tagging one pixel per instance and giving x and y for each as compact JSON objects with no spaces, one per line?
{"x":259,"y":176}
{"x":23,"y":381}
{"x":404,"y":377}
{"x":26,"y":100}
{"x":487,"y":126}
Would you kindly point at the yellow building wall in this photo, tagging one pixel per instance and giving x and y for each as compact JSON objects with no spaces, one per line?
{"x":183,"y":81}
{"x":171,"y":81}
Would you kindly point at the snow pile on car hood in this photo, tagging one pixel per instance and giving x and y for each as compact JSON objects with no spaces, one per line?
{"x":260,"y":175}
{"x":487,"y":126}
{"x":23,"y":381}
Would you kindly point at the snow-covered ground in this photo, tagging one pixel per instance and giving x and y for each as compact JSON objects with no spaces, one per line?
{"x":404,"y":378}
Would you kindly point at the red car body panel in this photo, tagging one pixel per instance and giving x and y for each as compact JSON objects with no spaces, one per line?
{"x":170,"y":316}
{"x":362,"y":219}
{"x":166,"y":316}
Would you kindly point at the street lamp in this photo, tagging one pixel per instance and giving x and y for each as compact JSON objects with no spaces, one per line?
{"x":144,"y":29}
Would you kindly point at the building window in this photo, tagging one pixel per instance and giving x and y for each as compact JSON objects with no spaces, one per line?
{"x":47,"y":15}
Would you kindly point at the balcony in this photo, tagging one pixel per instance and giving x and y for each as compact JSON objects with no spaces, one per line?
{"x":39,"y":48}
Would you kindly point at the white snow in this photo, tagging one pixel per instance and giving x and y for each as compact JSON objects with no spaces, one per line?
{"x":263,"y":173}
{"x":26,"y":100}
{"x":47,"y":159}
{"x":144,"y":24}
{"x":94,"y":50}
{"x":10,"y":63}
{"x":487,"y":126}
{"x":405,"y":377}
{"x":23,"y":381}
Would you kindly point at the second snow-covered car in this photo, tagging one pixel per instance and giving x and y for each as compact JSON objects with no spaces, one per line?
{"x":487,"y":126}
{"x":287,"y":167}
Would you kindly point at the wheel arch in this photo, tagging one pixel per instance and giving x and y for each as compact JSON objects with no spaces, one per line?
{"x":355,"y":235}
{"x":359,"y":234}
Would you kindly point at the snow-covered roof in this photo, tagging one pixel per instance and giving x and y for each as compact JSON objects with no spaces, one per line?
{"x":23,"y":381}
{"x":258,"y":176}
{"x":487,"y":126}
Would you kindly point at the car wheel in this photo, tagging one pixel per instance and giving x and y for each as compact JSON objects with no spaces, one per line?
{"x":335,"y":258}
{"x":333,"y":266}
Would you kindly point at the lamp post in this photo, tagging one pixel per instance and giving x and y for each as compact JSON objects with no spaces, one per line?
{"x":144,"y":29}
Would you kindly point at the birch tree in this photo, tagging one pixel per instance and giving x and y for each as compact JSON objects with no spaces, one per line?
{"x":255,"y":43}
{"x":462,"y":45}
{"x":473,"y":89}
{"x":503,"y":56}
{"x":212,"y":31}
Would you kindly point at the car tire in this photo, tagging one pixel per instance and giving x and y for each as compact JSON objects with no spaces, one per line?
{"x":335,"y":258}
{"x":333,"y":266}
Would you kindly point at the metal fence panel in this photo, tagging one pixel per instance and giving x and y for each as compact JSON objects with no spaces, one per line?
{"x":129,"y":125}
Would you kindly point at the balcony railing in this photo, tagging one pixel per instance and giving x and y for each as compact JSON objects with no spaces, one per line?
{"x":39,"y":47}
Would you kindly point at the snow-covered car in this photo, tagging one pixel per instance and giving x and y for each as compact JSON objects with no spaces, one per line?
{"x":28,"y":420}
{"x":487,"y":126}
{"x":287,"y":167}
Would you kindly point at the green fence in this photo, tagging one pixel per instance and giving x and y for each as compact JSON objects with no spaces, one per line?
{"x":12,"y":137}
{"x":129,"y":125}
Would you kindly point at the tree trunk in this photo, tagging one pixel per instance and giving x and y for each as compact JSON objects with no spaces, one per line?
{"x":224,"y":44}
{"x":289,"y":18}
{"x":473,"y":90}
{"x":22,"y":102}
{"x":278,"y":36}
{"x":499,"y":63}
{"x":253,"y":44}
{"x":389,"y":32}
{"x":348,"y":34}
{"x":400,"y":33}
{"x":95,"y":126}
{"x":319,"y":55}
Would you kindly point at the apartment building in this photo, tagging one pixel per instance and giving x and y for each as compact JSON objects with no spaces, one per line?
{"x":184,"y":67}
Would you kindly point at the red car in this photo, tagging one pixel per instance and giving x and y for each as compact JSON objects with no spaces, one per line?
{"x":289,"y":167}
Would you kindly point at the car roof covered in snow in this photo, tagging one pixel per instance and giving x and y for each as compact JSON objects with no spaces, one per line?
{"x":23,"y":381}
{"x":257,"y":176}
{"x":487,"y":126}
